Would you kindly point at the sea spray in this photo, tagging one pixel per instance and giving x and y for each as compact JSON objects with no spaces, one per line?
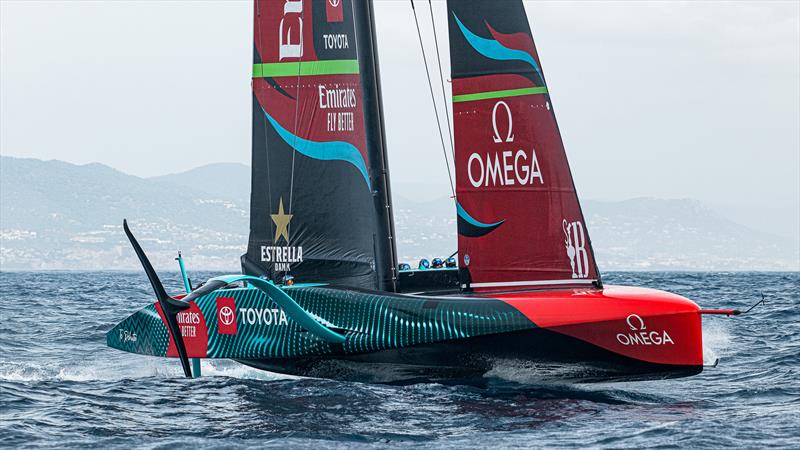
{"x":716,"y":340}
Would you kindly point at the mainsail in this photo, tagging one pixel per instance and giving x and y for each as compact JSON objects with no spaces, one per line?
{"x":320,"y":208}
{"x":519,"y":220}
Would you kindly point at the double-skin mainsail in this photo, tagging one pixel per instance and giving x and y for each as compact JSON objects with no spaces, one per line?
{"x":320,"y":201}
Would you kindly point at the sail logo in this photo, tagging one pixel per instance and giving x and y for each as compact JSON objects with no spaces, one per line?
{"x":338,"y":98}
{"x":640,"y":335}
{"x":335,"y":41}
{"x":334,"y":11}
{"x":281,"y":256}
{"x":506,"y":167}
{"x":575,"y":243}
{"x":510,"y":136}
{"x":290,"y":30}
{"x":226,"y":318}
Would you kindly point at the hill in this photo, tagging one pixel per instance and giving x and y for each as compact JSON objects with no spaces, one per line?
{"x":56,"y":215}
{"x":635,"y":234}
{"x":229,"y":180}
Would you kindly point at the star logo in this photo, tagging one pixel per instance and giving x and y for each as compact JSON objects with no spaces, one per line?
{"x":281,"y":223}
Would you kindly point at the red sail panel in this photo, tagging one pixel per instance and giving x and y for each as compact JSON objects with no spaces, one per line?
{"x":306,"y":77}
{"x":519,"y":220}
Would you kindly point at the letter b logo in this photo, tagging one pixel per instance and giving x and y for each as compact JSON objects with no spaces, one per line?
{"x":575,"y":242}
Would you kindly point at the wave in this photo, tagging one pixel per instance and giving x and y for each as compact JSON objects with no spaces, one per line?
{"x":24,"y":372}
{"x":60,"y":386}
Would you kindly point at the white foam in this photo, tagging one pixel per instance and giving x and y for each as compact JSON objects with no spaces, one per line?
{"x":132,"y":368}
{"x":533,"y":372}
{"x":716,"y":340}
{"x":20,"y":372}
{"x":232,"y":369}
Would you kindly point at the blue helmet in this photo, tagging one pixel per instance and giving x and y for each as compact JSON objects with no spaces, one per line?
{"x":437,"y":263}
{"x":404,"y":266}
{"x":451,"y":262}
{"x":424,"y":264}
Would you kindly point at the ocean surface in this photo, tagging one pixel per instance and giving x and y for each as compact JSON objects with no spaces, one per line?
{"x":60,"y":386}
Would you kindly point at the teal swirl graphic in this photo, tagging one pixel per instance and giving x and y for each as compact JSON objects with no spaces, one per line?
{"x":471,"y":227}
{"x":324,"y":151}
{"x":492,"y":49}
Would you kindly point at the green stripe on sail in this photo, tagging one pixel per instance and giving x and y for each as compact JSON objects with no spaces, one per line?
{"x":305,"y":68}
{"x":498,"y":94}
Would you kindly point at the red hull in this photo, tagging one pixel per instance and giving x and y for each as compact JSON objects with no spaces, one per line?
{"x":644,"y":324}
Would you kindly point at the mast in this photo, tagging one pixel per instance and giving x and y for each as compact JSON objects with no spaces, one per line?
{"x":386,"y":248}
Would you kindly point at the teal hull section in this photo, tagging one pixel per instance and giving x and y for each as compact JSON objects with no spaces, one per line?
{"x":261,"y":329}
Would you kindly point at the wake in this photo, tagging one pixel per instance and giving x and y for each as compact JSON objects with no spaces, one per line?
{"x":716,"y":341}
{"x":23,"y":372}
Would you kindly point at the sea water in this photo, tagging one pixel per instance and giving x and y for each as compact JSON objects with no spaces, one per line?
{"x":60,"y":386}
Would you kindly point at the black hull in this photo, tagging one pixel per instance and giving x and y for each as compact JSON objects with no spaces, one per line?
{"x":535,"y":356}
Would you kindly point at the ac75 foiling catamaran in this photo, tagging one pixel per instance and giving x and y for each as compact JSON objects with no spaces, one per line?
{"x":526,"y":286}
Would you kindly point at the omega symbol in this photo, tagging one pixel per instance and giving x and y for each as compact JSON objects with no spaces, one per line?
{"x":510,"y":135}
{"x":635,"y":317}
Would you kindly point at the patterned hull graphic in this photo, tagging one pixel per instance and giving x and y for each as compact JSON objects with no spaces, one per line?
{"x":370,"y":321}
{"x":622,"y":333}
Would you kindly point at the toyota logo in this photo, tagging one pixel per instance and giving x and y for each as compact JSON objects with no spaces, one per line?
{"x":226,"y":315}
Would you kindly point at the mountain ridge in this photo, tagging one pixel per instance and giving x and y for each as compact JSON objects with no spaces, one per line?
{"x":200,"y":177}
{"x":58,"y":215}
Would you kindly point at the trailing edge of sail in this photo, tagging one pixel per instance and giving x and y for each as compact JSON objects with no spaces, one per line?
{"x":519,"y":220}
{"x":319,"y":194}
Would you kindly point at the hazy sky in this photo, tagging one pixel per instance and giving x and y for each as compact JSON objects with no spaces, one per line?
{"x":671,"y":100}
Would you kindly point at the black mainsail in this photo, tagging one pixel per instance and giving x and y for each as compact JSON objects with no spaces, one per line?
{"x":320,"y":202}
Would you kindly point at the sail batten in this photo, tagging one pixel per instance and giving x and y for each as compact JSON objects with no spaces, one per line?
{"x":519,"y":219}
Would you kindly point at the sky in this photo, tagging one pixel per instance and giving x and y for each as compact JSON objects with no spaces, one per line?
{"x":662,"y":99}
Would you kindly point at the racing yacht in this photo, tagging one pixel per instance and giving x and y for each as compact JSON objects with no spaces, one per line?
{"x":321,"y":292}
